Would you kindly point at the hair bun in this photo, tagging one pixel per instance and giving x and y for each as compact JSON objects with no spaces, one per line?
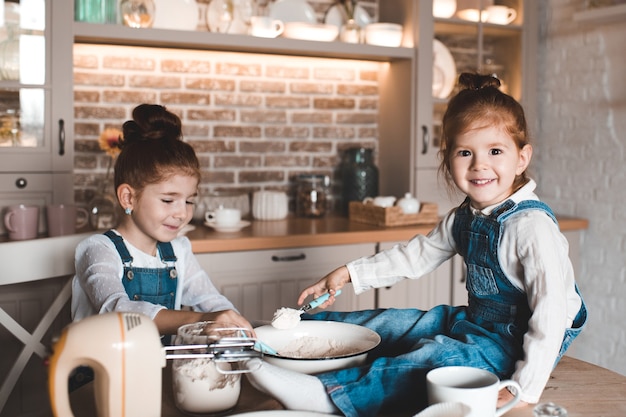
{"x":474,"y":81}
{"x":152,"y":122}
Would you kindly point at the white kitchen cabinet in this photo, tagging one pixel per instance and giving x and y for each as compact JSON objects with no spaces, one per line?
{"x":36,"y":120}
{"x":423,"y":293}
{"x":259,"y":282}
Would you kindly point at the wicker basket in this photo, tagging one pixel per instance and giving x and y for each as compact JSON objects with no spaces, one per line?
{"x":392,"y":216}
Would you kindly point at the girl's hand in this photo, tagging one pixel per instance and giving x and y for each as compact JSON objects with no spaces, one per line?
{"x":229,"y":317}
{"x":504,"y":396}
{"x":330,"y":283}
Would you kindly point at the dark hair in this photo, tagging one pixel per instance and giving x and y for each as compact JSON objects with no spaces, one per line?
{"x":479,"y":104}
{"x":152,"y":149}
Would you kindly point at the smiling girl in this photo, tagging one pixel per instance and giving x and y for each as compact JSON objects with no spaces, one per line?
{"x":523,"y":307}
{"x":142,"y":266}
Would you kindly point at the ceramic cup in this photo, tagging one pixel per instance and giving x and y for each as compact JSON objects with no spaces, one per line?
{"x":22,"y":222}
{"x":476,"y":388}
{"x":64,"y":219}
{"x":380,"y":201}
{"x":266,"y":27}
{"x":501,"y":15}
{"x":224,"y":217}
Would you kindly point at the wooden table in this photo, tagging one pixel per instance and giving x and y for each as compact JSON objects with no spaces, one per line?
{"x":585,"y":390}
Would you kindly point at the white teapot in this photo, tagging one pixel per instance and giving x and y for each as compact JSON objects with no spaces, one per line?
{"x":409,"y":204}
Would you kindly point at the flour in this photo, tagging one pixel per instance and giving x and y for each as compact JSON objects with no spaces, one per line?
{"x":198,"y":385}
{"x":200,"y":388}
{"x":308,"y":347}
{"x":286,"y":318}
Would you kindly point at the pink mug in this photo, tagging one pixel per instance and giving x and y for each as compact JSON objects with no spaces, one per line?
{"x":64,"y":219}
{"x":22,"y":222}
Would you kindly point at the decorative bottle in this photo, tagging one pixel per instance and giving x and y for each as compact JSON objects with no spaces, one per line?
{"x":359,"y":176}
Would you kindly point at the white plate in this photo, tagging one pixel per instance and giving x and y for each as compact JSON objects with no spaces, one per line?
{"x":336,"y":16}
{"x":444,"y":70}
{"x":293,"y":11}
{"x":228,"y":229}
{"x":311,"y":31}
{"x":175,"y":14}
{"x":445,"y":410}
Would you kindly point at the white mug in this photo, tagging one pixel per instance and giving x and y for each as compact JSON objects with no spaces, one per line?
{"x":224,"y":217}
{"x":501,"y":15}
{"x":380,"y":201}
{"x":265,"y":27}
{"x":476,"y":388}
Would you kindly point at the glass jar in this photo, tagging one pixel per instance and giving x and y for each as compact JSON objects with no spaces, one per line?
{"x":95,"y":11}
{"x":359,"y":176}
{"x":312,"y":195}
{"x":10,"y":54}
{"x":202,"y":385}
{"x":137,"y":13}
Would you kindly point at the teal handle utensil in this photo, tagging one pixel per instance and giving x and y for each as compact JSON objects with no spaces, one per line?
{"x":318,"y":301}
{"x":263,"y":348}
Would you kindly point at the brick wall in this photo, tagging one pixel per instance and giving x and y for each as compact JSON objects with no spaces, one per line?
{"x":580,"y":155}
{"x":256,"y":121}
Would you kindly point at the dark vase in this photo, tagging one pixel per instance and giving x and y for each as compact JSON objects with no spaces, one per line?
{"x":359,"y":176}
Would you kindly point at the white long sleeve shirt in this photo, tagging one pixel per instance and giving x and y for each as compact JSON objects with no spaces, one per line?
{"x":97,"y":286}
{"x":533,"y":254}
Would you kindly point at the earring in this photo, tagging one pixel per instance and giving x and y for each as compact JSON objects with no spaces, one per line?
{"x":128,"y":210}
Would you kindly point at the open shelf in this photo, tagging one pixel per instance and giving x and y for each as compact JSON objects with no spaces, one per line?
{"x":166,"y":38}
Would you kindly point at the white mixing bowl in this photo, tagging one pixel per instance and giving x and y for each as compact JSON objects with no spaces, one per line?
{"x":318,"y":346}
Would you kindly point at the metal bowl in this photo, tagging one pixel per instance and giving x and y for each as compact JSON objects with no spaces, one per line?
{"x":318,"y":346}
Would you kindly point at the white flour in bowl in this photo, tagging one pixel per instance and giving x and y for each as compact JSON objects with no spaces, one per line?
{"x":309,"y":347}
{"x":200,"y":388}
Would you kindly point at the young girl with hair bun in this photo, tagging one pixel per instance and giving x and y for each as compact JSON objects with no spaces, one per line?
{"x":524,"y":308}
{"x":143,"y":266}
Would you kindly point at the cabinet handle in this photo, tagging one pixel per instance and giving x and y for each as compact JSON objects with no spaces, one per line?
{"x":61,"y":137}
{"x":289,"y":258}
{"x":425,"y":139}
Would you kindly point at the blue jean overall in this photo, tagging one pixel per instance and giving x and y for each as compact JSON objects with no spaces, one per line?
{"x":155,"y":285}
{"x":485,"y":334}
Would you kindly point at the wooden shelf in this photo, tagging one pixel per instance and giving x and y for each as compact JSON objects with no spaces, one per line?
{"x":165,"y":38}
{"x":602,"y":14}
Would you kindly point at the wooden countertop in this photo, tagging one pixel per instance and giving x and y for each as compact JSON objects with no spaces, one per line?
{"x":582,"y":388}
{"x":55,"y":255}
{"x":296,"y":232}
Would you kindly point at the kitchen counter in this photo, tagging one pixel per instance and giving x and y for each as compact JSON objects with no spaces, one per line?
{"x":55,"y":256}
{"x":301,"y":232}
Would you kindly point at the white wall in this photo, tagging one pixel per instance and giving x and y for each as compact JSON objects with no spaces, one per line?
{"x":580,"y":162}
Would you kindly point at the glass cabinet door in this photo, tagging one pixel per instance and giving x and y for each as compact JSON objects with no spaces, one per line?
{"x":25,"y":86}
{"x":23,"y":73}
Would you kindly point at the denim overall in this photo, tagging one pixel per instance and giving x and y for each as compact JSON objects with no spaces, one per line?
{"x":485,"y":334}
{"x":155,"y":285}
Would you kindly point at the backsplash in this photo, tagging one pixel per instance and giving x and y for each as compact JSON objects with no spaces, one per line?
{"x":256,"y":121}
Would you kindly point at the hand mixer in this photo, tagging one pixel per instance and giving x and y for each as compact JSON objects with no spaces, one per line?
{"x":125,"y":352}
